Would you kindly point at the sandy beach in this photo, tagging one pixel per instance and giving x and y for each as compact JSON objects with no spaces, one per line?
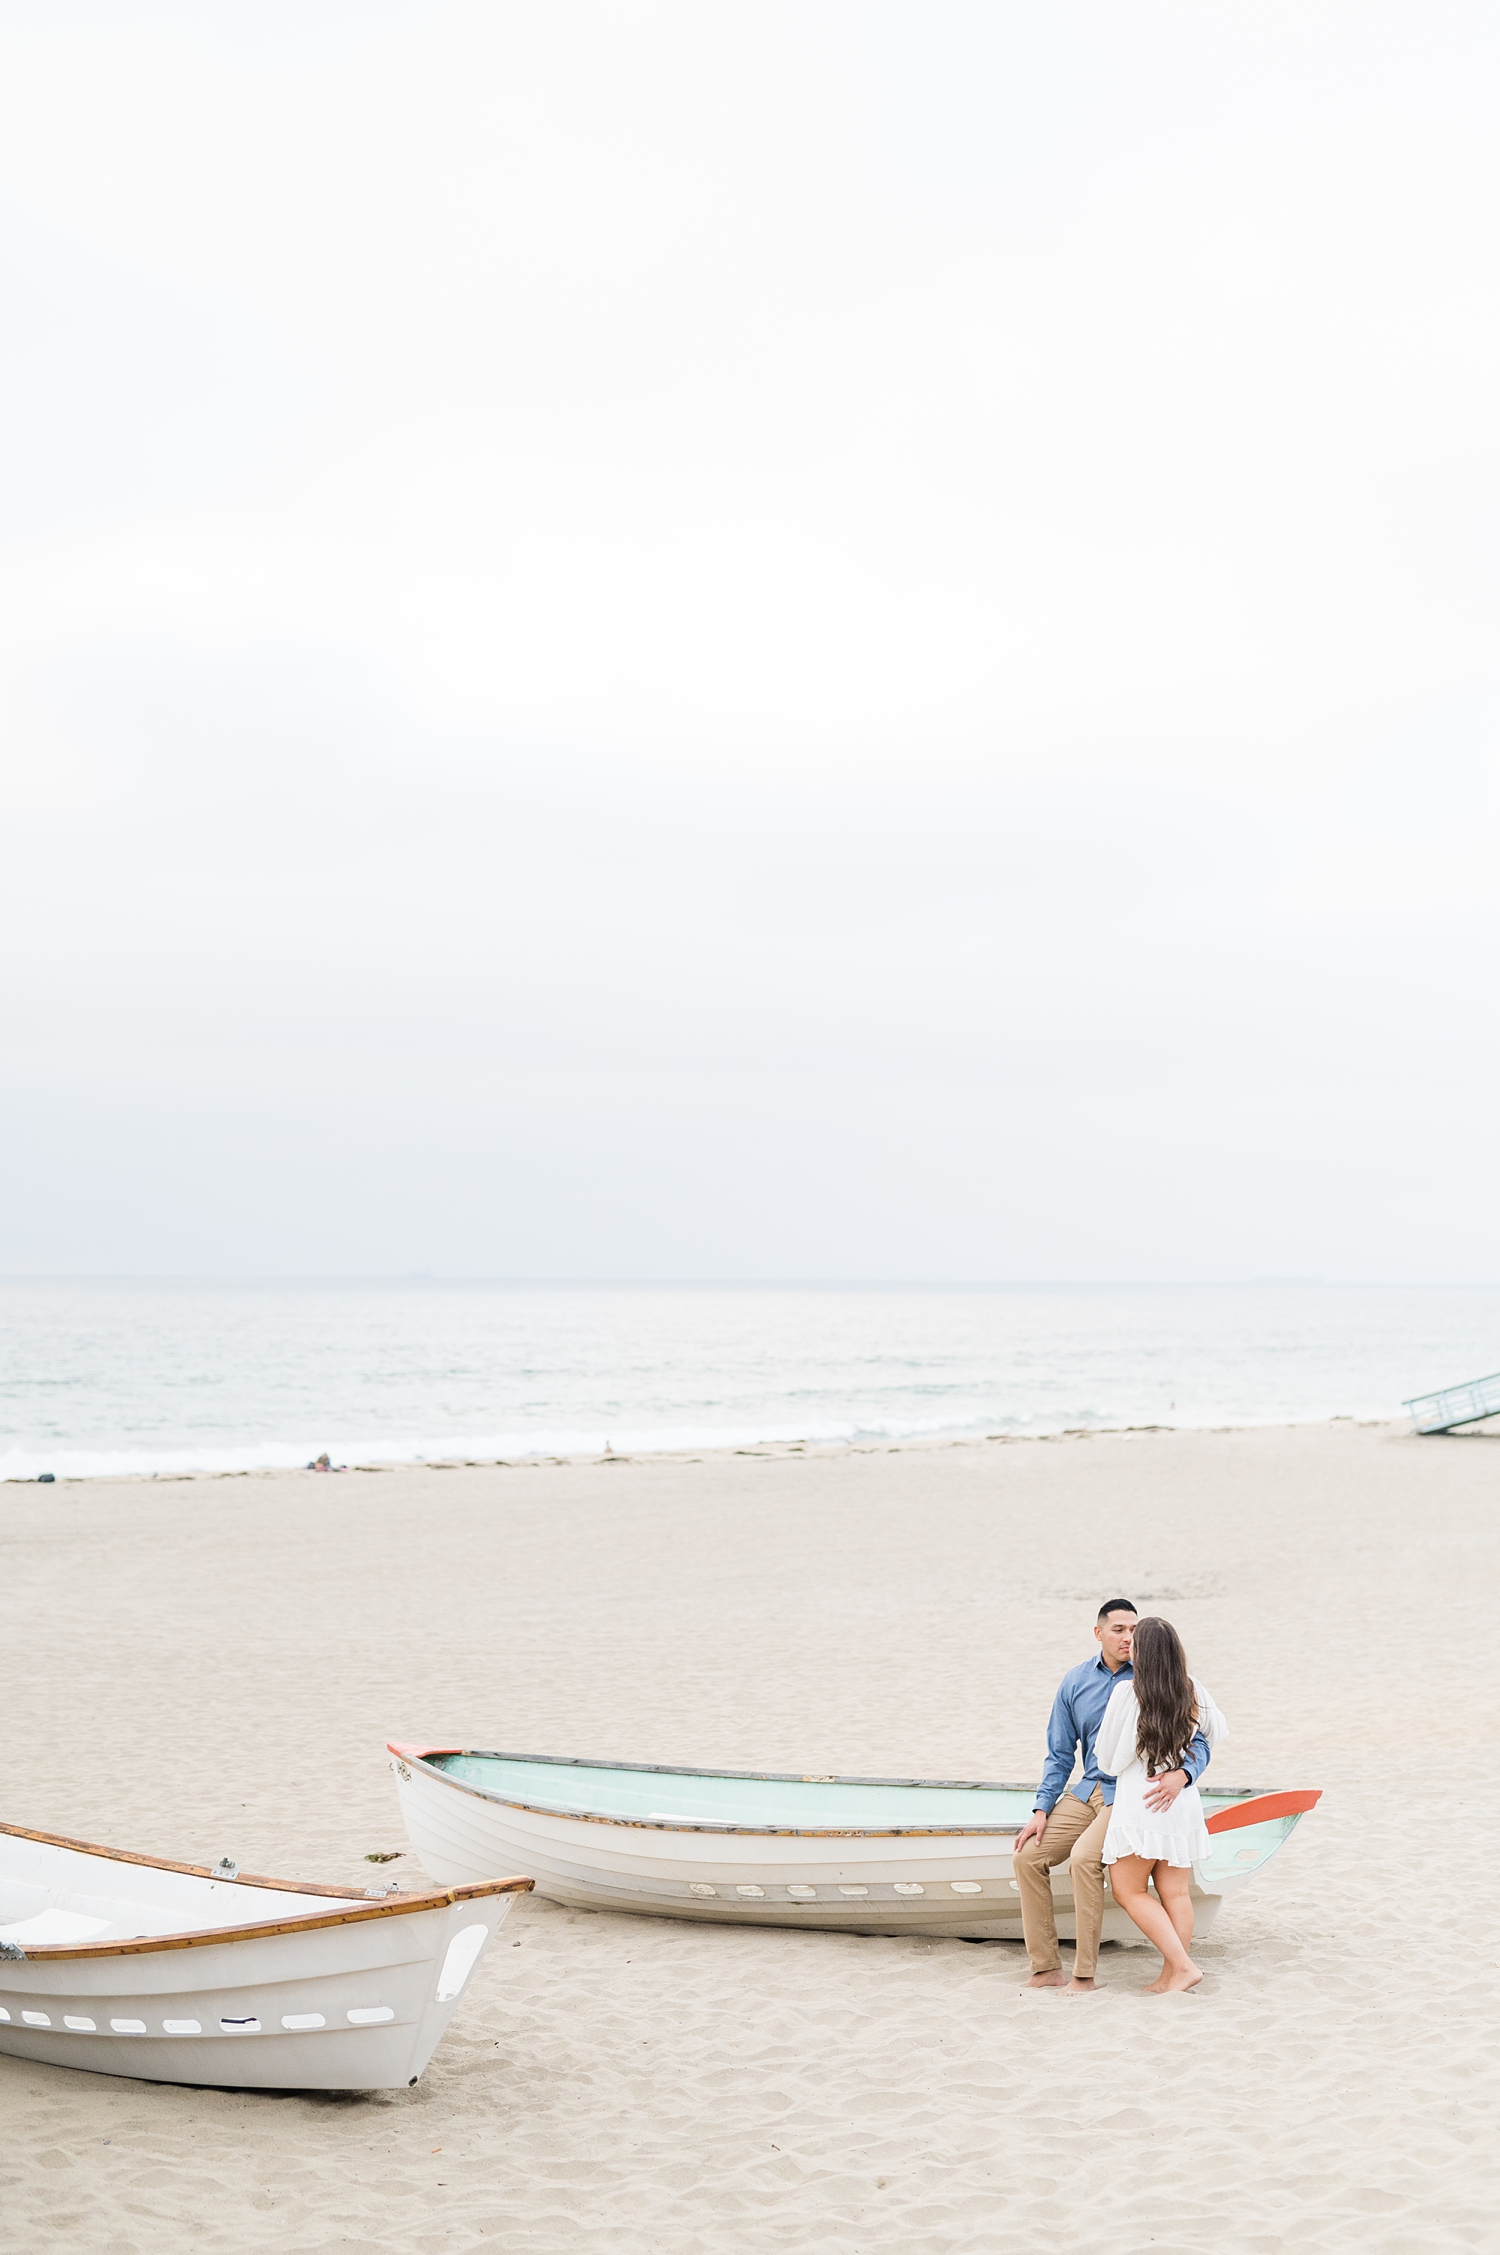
{"x":211,"y":1665}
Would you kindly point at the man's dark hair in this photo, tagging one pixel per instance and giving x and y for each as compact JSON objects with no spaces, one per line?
{"x":1114,"y":1605}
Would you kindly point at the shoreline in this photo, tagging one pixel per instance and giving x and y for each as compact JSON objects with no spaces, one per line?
{"x":914,"y":1443}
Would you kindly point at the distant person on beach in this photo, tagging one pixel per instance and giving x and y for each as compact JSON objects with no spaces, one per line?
{"x":1069,"y":1822}
{"x":1147,"y":1728}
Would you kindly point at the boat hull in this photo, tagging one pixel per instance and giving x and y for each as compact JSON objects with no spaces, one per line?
{"x":956,"y":1884}
{"x":340,"y":2000}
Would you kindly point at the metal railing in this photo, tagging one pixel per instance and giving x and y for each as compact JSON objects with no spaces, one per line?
{"x":1456,"y":1405}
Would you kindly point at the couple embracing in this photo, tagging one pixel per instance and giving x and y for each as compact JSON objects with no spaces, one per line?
{"x":1144,"y":1728}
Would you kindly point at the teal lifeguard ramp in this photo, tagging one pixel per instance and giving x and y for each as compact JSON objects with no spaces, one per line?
{"x":1456,"y":1405}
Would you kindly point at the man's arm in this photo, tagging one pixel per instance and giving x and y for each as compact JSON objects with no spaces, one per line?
{"x":1163,"y":1791}
{"x":1195,"y":1761}
{"x":1062,"y":1744}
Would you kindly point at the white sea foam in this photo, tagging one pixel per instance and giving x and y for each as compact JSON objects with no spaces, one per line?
{"x":168,"y":1378}
{"x":485,"y":1448}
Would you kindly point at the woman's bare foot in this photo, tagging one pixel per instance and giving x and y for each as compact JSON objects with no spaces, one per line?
{"x":1169,"y":1982}
{"x":1058,"y":1980}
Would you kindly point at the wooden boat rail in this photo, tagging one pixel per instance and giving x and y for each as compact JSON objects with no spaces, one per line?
{"x":1265,"y":1802}
{"x":436,"y":1898}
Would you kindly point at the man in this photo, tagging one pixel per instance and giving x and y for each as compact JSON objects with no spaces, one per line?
{"x":1069,"y":1825}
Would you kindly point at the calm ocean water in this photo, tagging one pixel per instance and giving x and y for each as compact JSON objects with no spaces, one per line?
{"x":161,"y":1376}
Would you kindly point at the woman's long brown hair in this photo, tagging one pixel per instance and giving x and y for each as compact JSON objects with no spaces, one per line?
{"x":1164,"y":1695}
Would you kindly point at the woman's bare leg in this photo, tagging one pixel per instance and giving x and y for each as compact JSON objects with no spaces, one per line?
{"x":1174,"y":1892}
{"x":1127,"y":1878}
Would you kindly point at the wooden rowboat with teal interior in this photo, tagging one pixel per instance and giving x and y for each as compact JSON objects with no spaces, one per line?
{"x":862,"y":1855}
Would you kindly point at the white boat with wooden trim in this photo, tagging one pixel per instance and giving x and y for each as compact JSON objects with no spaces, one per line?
{"x":861,"y":1855}
{"x":175,"y":1973}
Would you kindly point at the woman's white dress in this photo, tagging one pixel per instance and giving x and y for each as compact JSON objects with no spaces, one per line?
{"x":1175,"y":1836}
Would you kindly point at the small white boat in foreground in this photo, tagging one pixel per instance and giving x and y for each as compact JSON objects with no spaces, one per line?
{"x":860,"y":1855}
{"x":177,"y":1974}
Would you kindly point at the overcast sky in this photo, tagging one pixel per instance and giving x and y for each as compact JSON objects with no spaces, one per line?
{"x":750,"y":641}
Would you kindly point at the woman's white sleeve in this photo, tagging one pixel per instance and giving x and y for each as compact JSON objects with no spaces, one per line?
{"x":1114,"y":1748}
{"x":1210,"y":1718}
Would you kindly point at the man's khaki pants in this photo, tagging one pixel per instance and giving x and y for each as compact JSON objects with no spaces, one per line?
{"x":1075,"y":1836}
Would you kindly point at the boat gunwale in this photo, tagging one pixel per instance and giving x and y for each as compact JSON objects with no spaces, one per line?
{"x":141,"y":1945}
{"x":722,"y":1831}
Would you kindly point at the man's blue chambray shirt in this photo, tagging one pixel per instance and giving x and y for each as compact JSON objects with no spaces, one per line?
{"x":1077,"y":1712}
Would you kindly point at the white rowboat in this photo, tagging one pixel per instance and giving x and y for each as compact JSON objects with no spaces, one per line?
{"x":175,"y":1973}
{"x":859,"y":1855}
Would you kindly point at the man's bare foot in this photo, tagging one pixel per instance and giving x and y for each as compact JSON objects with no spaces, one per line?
{"x":1058,"y":1980}
{"x":1087,"y":1987}
{"x":1168,"y":1983}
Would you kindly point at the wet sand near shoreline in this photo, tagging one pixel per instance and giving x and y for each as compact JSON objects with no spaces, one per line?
{"x":211,"y":1665}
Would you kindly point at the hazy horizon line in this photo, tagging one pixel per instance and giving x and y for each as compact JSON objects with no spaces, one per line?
{"x":747,"y":1283}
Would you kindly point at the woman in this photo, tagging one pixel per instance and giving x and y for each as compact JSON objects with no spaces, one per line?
{"x":1147,"y":1728}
